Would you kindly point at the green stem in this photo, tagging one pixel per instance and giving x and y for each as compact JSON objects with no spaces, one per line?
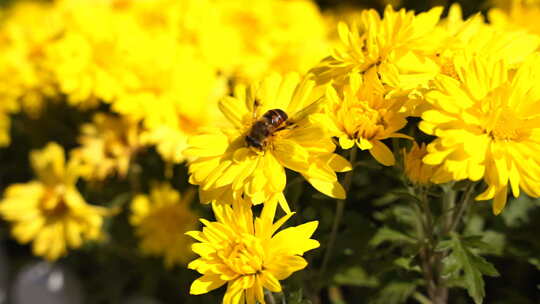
{"x":462,"y":207}
{"x":340,"y":207}
{"x":424,"y":231}
{"x":449,"y":202}
{"x":428,"y":213}
{"x":452,"y":217}
{"x":269,"y":297}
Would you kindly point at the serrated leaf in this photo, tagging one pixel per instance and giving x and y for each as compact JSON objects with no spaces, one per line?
{"x":472,"y":265}
{"x":444,"y":245}
{"x":484,"y":266}
{"x":475,"y":242}
{"x":473,"y":277}
{"x":451,"y":267}
{"x":405,"y":263}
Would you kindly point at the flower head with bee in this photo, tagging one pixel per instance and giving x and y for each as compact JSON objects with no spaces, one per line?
{"x":269,"y":129}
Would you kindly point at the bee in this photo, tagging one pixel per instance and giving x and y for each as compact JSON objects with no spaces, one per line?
{"x":270,"y":122}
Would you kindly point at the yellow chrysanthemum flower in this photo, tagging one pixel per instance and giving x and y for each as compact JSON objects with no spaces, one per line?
{"x":416,"y":170}
{"x":516,"y":15}
{"x":477,"y":37}
{"x":50,"y":212}
{"x":247,"y":254}
{"x":363,"y":116}
{"x":246,"y":160}
{"x":161,"y":221}
{"x":5,"y":122}
{"x":396,"y":46}
{"x":273,"y":36}
{"x":25,"y":31}
{"x":107,"y":146}
{"x":487,"y":126}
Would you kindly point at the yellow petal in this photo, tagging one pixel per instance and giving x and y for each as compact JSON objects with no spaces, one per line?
{"x":295,"y":240}
{"x":332,"y":189}
{"x":337,"y":162}
{"x":499,"y":201}
{"x":345,"y":142}
{"x":270,"y":282}
{"x":234,"y":110}
{"x":291,"y":155}
{"x":382,"y":154}
{"x":206,"y":283}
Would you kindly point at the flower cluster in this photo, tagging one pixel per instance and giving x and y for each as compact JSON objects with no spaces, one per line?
{"x":245,"y":95}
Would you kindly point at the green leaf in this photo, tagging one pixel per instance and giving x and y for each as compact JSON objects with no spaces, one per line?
{"x":444,"y":245}
{"x":386,"y":234}
{"x":464,"y":259}
{"x":355,"y":276}
{"x":517,"y":211}
{"x":407,"y":264}
{"x":394,"y":293}
{"x":451,"y":267}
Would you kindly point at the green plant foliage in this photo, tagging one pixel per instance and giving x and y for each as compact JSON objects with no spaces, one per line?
{"x":464,"y":263}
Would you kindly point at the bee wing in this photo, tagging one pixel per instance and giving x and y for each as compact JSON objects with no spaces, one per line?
{"x":312,"y":108}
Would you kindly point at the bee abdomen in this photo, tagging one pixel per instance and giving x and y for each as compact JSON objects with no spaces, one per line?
{"x":275,"y":117}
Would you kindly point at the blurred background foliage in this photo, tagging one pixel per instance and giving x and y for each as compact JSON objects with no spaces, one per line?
{"x":117,"y":273}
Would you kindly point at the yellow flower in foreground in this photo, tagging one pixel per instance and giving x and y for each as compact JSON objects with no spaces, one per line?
{"x":247,"y":161}
{"x":363,"y":116}
{"x":247,"y":254}
{"x":488,"y":126}
{"x":50,"y":211}
{"x":415,"y":169}
{"x":107,"y":146}
{"x":161,"y":221}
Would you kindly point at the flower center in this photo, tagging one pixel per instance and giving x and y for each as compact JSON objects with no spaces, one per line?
{"x":368,"y":122}
{"x":506,"y":126}
{"x":169,"y":220}
{"x":243,"y":255}
{"x":53,"y":204}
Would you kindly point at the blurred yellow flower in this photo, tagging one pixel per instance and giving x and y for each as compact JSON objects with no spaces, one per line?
{"x":50,"y":212}
{"x":107,"y":146}
{"x":273,"y":36}
{"x":161,"y":221}
{"x":26,"y":30}
{"x":247,"y":254}
{"x":477,"y":37}
{"x":5,"y":121}
{"x":416,"y":170}
{"x":487,"y":126}
{"x":516,"y":15}
{"x":270,"y":130}
{"x":363,"y":116}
